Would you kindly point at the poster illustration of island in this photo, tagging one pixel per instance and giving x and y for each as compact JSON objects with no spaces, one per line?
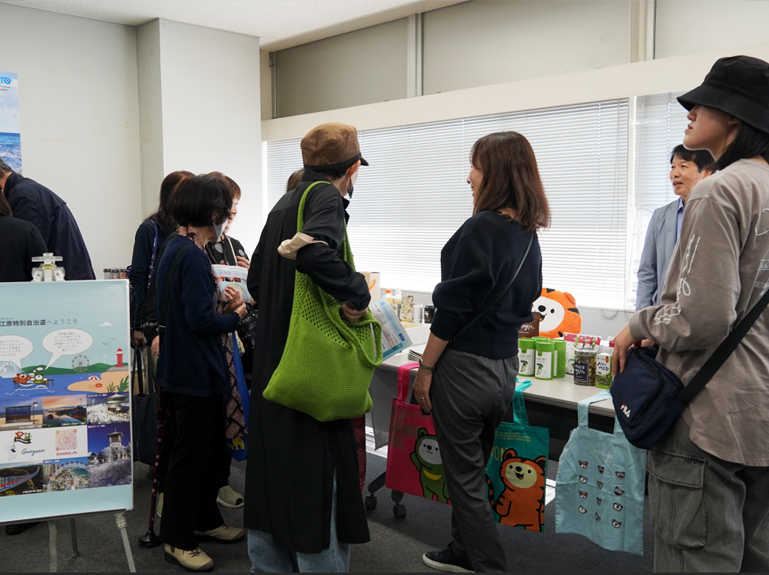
{"x":65,"y":401}
{"x":10,"y":127}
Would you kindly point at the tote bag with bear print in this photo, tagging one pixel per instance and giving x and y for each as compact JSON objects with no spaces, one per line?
{"x":600,"y":485}
{"x":517,"y":469}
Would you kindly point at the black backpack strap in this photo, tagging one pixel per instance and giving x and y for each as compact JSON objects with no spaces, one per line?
{"x":499,"y":295}
{"x":715,"y":361}
{"x":167,"y":292}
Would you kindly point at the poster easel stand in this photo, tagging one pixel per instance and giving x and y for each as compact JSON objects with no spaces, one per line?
{"x":53,"y":542}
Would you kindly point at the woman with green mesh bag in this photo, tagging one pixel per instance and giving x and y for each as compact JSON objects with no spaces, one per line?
{"x":316,"y":348}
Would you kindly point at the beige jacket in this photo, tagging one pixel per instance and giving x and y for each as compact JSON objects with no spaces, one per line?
{"x":719,"y":270}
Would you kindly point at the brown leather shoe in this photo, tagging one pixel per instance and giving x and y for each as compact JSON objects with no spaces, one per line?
{"x":222,"y":534}
{"x":195,"y":560}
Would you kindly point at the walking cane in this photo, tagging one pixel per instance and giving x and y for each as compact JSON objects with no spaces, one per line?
{"x":150,"y":539}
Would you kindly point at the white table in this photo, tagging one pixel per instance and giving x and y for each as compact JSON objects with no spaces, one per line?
{"x":546,"y":396}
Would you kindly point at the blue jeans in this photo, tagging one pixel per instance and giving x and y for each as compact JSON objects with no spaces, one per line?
{"x":269,"y":556}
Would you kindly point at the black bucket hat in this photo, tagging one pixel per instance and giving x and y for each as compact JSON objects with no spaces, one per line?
{"x":738,"y":86}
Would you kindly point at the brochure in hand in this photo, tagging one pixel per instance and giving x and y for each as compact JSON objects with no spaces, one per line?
{"x":232,"y":276}
{"x":394,"y":335}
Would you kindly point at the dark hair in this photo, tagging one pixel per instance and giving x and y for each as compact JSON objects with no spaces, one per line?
{"x":201,"y":200}
{"x":510,"y":179}
{"x":294,"y":179}
{"x":167,"y":188}
{"x":230,"y":183}
{"x":4,"y":168}
{"x":748,"y":143}
{"x":702,"y":158}
{"x":5,"y":207}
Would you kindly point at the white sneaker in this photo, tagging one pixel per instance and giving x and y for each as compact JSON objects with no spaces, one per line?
{"x":229,"y":498}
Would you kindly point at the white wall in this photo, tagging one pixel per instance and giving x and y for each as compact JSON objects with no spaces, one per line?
{"x":79,"y":114}
{"x":480,"y":43}
{"x":205,"y":89}
{"x":626,"y":80}
{"x":690,"y":26}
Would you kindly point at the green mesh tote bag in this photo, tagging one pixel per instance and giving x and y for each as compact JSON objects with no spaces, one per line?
{"x":328,"y":363}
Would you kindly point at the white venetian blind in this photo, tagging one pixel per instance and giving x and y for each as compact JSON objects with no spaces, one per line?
{"x":660,"y":122}
{"x":414,"y":196}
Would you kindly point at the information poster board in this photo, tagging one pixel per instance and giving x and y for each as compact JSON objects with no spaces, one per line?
{"x":65,"y":399}
{"x":10,"y":127}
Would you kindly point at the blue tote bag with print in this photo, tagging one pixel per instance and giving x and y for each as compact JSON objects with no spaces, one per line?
{"x":517,"y":469}
{"x":600,"y":485}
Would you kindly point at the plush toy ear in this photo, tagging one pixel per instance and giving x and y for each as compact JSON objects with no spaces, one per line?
{"x":509,"y":454}
{"x":541,"y":461}
{"x":570,"y":297}
{"x":422,"y":432}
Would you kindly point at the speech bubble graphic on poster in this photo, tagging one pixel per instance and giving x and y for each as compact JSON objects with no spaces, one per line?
{"x":66,"y":342}
{"x":14,"y":348}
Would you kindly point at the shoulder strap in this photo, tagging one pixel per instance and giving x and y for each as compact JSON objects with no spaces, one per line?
{"x":499,"y":295}
{"x":167,"y":290}
{"x":300,"y":222}
{"x":715,"y":361}
{"x":154,"y":252}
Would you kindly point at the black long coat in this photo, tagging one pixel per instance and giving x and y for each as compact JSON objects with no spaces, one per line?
{"x":292,"y":458}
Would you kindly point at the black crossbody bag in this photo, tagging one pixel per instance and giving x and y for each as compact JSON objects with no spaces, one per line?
{"x":648,"y":398}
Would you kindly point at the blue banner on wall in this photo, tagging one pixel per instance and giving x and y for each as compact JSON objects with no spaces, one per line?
{"x":10,"y":128}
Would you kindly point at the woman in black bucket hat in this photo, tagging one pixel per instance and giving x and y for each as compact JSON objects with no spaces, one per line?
{"x":709,"y":476}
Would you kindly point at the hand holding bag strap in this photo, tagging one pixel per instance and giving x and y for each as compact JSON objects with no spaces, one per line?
{"x":584,"y":405}
{"x":497,"y":298}
{"x":404,"y":373}
{"x":715,"y":361}
{"x":519,"y":406}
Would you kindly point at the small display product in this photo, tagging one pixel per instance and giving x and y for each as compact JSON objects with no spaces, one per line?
{"x":544,"y":359}
{"x":585,"y":359}
{"x":526,"y":356}
{"x":559,"y":359}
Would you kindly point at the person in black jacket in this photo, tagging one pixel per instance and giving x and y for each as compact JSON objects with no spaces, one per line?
{"x":146,"y":253}
{"x":468,"y":382}
{"x":303,"y":502}
{"x":194,"y":370}
{"x":37,"y":204}
{"x":21,"y":242}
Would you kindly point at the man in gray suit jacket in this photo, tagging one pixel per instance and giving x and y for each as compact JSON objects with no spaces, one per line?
{"x":687,"y":168}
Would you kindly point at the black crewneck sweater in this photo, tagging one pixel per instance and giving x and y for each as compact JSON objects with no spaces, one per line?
{"x":476,"y":263}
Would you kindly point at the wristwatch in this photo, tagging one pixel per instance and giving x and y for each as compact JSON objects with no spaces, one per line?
{"x":430,"y":368}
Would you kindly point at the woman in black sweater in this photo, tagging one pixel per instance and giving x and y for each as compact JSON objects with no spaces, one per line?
{"x":146,"y":254}
{"x":467,"y":380}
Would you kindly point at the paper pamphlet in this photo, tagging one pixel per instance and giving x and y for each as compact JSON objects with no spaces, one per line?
{"x":232,"y":276}
{"x":394,"y":335}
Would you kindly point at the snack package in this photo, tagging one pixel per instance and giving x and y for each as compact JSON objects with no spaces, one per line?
{"x":232,"y":276}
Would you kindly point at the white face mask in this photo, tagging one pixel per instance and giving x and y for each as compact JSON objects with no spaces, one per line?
{"x":219,"y":228}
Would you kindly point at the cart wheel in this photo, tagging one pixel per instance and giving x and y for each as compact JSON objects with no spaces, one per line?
{"x":371,"y":502}
{"x":399,"y":511}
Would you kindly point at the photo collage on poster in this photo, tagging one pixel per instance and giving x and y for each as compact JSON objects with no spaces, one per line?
{"x":65,"y":415}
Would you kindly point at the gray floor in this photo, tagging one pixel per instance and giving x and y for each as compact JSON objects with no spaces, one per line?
{"x":396,"y":544}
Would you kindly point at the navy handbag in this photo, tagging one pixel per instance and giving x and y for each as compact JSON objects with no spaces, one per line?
{"x":648,"y":397}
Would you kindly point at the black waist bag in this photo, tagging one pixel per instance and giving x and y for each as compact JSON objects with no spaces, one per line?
{"x":648,"y":398}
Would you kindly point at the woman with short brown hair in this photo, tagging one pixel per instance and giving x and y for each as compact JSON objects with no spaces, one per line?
{"x":466,"y":377}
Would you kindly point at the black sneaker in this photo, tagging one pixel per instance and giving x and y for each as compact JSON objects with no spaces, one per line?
{"x":446,"y":560}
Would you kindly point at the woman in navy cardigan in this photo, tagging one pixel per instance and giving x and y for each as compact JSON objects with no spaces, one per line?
{"x":467,"y":380}
{"x":193,"y":371}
